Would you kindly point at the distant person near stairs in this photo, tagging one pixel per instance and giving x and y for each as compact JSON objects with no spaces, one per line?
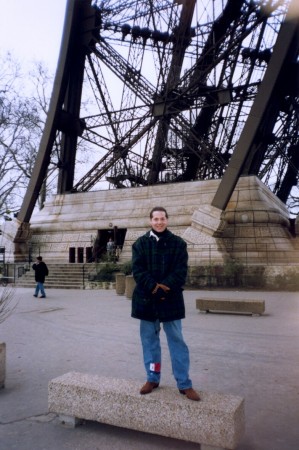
{"x":41,"y":271}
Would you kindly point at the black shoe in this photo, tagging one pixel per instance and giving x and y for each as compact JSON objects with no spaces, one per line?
{"x":34,"y":295}
{"x":42,"y":296}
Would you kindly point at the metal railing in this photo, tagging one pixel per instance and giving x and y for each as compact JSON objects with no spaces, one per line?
{"x":247,"y":254}
{"x":11,"y":272}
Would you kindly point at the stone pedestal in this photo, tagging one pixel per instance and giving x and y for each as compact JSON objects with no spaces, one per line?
{"x":253,"y":229}
{"x":120,"y":283}
{"x":2,"y":363}
{"x":130,"y":285}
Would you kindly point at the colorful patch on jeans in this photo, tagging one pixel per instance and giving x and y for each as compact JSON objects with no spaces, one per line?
{"x":155,"y":367}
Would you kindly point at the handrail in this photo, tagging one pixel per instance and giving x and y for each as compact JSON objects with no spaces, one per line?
{"x":89,"y":261}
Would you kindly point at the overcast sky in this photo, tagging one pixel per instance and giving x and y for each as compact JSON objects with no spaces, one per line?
{"x":32,"y":30}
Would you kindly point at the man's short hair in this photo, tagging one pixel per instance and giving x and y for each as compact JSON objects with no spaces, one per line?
{"x":158,"y":208}
{"x":39,"y":258}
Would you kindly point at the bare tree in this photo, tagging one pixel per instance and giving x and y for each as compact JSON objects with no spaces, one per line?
{"x":7,"y":302}
{"x":23,"y":107}
{"x":24,"y":101}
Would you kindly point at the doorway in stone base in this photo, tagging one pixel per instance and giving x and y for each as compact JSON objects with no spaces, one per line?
{"x":117,"y":235}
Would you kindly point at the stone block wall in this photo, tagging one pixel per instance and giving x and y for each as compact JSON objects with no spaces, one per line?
{"x":254,"y":228}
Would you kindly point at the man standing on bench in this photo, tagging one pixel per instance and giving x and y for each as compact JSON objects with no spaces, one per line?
{"x":160,"y":269}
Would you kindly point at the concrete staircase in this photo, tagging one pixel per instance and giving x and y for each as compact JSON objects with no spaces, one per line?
{"x":61,"y":276}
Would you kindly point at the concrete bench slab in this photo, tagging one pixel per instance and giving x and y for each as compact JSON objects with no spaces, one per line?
{"x":215,"y":422}
{"x":254,"y":307}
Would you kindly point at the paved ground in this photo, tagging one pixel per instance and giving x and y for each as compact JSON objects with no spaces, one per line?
{"x":91,"y":331}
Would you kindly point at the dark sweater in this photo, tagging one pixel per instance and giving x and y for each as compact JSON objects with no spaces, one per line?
{"x":41,"y":271}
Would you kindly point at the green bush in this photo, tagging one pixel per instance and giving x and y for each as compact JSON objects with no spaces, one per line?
{"x":106,"y":271}
{"x":126,"y":267}
{"x":232,"y":272}
{"x":288,"y":281}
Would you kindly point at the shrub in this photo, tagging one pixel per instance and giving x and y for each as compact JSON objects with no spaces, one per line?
{"x":126,"y":267}
{"x":232,"y":272}
{"x":106,"y":272}
{"x":288,"y":281}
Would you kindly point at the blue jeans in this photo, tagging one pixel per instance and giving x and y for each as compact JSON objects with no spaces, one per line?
{"x":179,"y":353}
{"x":40,"y":287}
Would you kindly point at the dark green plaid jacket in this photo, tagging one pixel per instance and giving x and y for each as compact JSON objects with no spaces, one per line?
{"x":164,"y":261}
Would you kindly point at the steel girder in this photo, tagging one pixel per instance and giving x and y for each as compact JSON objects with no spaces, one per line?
{"x":176,"y":87}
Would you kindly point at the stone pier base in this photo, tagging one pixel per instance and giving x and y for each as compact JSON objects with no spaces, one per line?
{"x":254,"y":229}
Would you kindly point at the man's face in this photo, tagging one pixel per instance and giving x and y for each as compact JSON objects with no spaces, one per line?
{"x":159,"y":221}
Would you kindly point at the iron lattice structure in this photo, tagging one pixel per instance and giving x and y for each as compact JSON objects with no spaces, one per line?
{"x":161,"y":91}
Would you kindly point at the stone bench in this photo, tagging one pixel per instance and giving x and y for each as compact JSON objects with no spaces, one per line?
{"x":215,"y":422}
{"x":254,"y":307}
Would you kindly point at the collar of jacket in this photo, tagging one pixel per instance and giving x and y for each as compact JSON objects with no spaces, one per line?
{"x":165,"y":235}
{"x":153,"y":235}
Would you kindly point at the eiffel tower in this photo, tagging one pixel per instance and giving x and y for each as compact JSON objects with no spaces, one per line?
{"x":165,"y":91}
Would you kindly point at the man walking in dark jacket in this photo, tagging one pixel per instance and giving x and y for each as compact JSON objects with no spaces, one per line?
{"x":41,"y":271}
{"x":160,"y":268}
